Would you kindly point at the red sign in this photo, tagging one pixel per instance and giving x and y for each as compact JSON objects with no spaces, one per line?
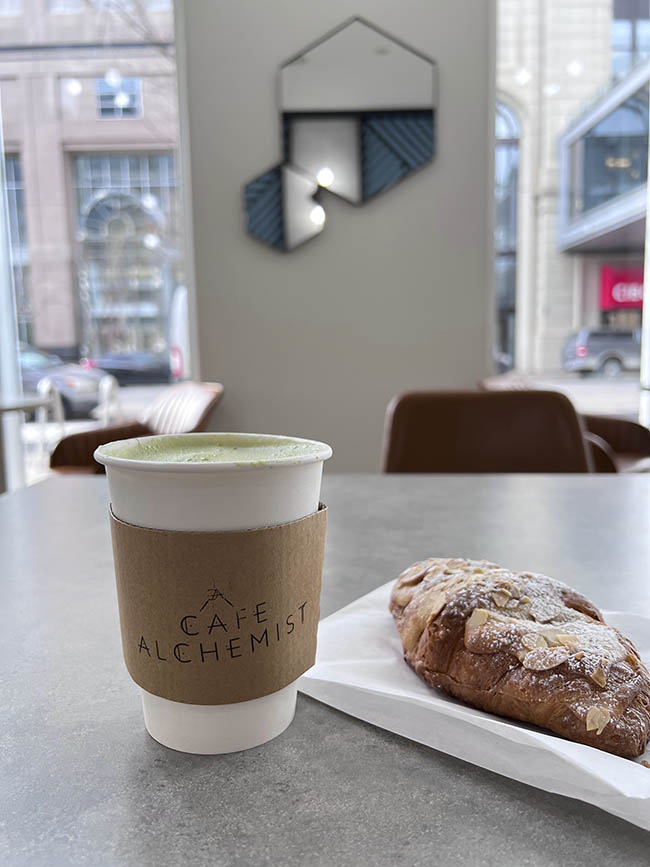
{"x":620,"y":287}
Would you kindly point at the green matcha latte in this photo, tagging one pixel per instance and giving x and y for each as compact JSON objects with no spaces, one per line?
{"x":218,"y":448}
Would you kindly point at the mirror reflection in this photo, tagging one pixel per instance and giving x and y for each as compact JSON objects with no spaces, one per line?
{"x":358,"y":115}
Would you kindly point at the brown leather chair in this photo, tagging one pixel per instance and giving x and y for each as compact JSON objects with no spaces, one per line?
{"x":182,"y":408}
{"x":628,"y":440}
{"x":619,"y":444}
{"x":484,"y":432}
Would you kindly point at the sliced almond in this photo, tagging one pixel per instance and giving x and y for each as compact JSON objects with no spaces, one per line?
{"x":567,"y":640}
{"x":531,"y":640}
{"x":419,"y":613}
{"x":475,"y":628}
{"x":551,"y":635}
{"x":512,"y":603}
{"x":432,"y":601}
{"x":478,"y":617}
{"x":501,"y":598}
{"x":579,"y":655}
{"x":402,"y":595}
{"x":597,"y":719}
{"x":525,"y":600}
{"x":544,"y":658}
{"x":599,"y":675}
{"x":414,"y":574}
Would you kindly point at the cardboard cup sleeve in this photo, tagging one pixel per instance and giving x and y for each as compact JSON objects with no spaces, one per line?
{"x":219,"y":617}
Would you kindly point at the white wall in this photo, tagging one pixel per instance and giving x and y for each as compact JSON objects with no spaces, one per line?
{"x":393,"y":295}
{"x":346,"y":72}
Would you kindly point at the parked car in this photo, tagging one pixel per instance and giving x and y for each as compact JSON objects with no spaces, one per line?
{"x":132,"y":368}
{"x":78,"y":387}
{"x":606,"y":351}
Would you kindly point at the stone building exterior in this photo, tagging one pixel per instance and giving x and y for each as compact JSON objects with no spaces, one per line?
{"x":553,"y":58}
{"x":90,"y":130}
{"x":90,"y":127}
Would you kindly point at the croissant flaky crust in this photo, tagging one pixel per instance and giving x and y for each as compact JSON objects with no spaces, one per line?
{"x":524,"y":646}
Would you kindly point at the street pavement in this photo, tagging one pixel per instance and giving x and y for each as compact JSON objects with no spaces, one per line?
{"x":595,"y":395}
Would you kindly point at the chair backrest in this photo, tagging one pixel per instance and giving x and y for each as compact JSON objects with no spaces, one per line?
{"x":484,"y":432}
{"x":182,"y":408}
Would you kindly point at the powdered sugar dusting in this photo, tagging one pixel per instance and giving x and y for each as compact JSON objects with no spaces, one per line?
{"x":526,"y":614}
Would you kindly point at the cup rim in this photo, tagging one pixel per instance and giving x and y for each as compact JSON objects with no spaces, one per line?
{"x":323,"y":453}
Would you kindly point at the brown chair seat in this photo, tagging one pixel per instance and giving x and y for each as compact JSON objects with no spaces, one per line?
{"x":185,"y":407}
{"x":619,"y":444}
{"x":629,"y":440}
{"x":519,"y":431}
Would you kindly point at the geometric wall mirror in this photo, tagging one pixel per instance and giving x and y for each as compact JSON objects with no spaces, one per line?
{"x":357,"y":115}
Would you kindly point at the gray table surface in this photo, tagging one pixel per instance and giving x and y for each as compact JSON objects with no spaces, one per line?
{"x":82,"y":783}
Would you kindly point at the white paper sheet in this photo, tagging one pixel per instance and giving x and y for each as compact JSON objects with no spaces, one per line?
{"x":360,"y":670}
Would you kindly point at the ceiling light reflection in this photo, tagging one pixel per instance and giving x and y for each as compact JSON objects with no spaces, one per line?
{"x":317,"y":215}
{"x":113,"y":77}
{"x":73,"y":86}
{"x":325,"y":177}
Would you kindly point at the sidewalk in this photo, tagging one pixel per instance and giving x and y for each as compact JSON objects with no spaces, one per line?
{"x":593,"y":395}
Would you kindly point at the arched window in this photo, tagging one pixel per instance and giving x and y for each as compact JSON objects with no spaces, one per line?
{"x":127,"y":251}
{"x":505,"y":232}
{"x":124,"y":278}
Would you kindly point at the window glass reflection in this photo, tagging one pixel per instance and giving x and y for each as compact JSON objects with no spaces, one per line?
{"x":506,"y":167}
{"x":630,"y":35}
{"x":127,"y":218}
{"x":612,"y":157}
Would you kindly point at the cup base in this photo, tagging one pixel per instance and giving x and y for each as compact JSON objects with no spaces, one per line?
{"x":210,"y":730}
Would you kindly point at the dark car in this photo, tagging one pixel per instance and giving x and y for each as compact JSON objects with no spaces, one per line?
{"x":78,"y":387}
{"x":607,"y":351}
{"x":132,"y":368}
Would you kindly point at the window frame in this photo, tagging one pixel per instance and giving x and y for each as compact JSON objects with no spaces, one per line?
{"x":579,"y":228}
{"x":60,"y":7}
{"x":634,"y":16}
{"x":14,"y":12}
{"x":136,"y":96}
{"x":505,"y":254}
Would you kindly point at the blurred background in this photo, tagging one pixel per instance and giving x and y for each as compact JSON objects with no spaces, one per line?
{"x":534,"y":275}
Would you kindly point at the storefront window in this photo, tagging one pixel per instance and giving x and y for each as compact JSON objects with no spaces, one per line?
{"x":128,"y":255}
{"x":612,"y":157}
{"x":630,"y":42}
{"x":18,"y":243}
{"x":505,"y":232}
{"x":95,"y":226}
{"x":571,"y":192}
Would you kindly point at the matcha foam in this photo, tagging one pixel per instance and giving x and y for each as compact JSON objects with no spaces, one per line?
{"x":212,"y":448}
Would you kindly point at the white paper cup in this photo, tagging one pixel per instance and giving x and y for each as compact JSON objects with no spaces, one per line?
{"x":204,"y":497}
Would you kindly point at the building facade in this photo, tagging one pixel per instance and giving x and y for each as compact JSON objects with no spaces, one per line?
{"x":556,"y":60}
{"x":90,"y":129}
{"x":90,"y":133}
{"x":603,"y":200}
